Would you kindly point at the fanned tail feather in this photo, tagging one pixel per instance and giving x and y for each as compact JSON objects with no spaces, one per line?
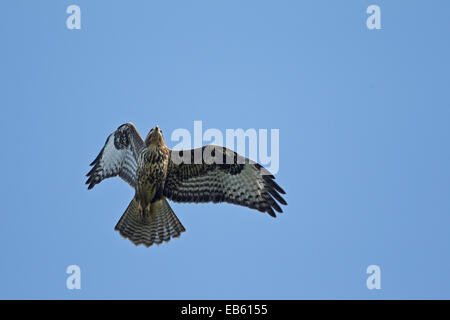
{"x":161,"y":225}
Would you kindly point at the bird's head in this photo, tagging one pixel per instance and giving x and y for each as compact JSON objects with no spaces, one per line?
{"x":155,"y":137}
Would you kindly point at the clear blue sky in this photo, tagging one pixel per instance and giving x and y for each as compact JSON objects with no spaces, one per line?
{"x":364,"y":146}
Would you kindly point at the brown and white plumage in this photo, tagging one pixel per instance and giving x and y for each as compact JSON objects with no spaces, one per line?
{"x":223,"y":176}
{"x":157,"y":173}
{"x":119,"y":156}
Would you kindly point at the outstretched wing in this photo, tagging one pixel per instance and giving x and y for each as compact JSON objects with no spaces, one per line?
{"x":119,"y":156}
{"x":217,"y":174}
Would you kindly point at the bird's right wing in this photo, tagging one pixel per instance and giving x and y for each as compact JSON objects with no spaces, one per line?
{"x":119,"y":157}
{"x":221,"y":175}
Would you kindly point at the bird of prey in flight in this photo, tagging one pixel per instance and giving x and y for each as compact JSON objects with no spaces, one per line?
{"x":208,"y":174}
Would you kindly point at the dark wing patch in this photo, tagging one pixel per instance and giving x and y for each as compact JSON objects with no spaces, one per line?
{"x":221,"y":176}
{"x":119,"y":156}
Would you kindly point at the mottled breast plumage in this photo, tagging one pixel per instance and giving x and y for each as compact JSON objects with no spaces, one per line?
{"x":151,"y":174}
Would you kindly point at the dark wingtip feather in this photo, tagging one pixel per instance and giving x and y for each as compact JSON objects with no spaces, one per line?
{"x":281,"y":200}
{"x":273,"y":189}
{"x":271,"y":212}
{"x":280,"y":190}
{"x":275,"y":194}
{"x":90,"y":183}
{"x":276,"y":207}
{"x":270,"y":180}
{"x":277,"y":187}
{"x":90,"y":172}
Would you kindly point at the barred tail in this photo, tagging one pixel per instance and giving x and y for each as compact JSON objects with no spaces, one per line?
{"x":161,"y":225}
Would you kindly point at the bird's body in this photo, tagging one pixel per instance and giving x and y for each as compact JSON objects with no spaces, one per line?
{"x":158,"y":173}
{"x":151,"y":175}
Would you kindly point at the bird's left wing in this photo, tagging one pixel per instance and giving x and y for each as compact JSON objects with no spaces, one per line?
{"x":217,"y":174}
{"x":119,"y":157}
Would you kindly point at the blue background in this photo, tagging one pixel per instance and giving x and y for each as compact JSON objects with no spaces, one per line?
{"x":364,"y":153}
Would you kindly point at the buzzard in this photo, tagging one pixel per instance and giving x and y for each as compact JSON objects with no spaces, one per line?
{"x":208,"y":174}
